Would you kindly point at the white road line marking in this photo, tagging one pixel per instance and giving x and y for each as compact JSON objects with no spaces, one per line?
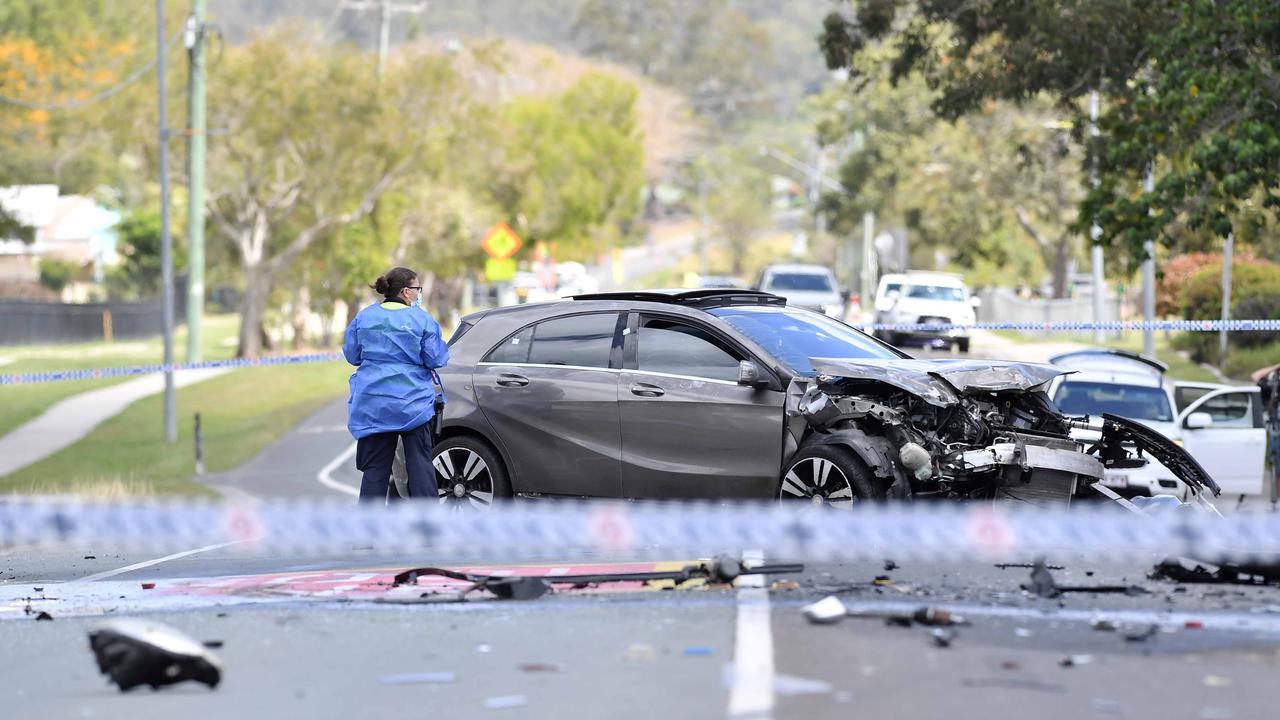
{"x":157,"y":561}
{"x":751,"y":695}
{"x":324,"y":477}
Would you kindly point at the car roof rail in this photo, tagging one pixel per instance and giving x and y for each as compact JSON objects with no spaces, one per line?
{"x":1112,"y":352}
{"x":703,"y":298}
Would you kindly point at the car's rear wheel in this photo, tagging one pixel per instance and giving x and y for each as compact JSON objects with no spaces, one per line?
{"x":469,"y":474}
{"x":828,"y":476}
{"x":963,"y":345}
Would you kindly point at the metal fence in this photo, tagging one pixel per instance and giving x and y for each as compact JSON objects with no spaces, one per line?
{"x":1002,"y":305}
{"x":24,"y":322}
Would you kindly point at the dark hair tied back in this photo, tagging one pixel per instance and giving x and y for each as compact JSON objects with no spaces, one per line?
{"x":395,"y":281}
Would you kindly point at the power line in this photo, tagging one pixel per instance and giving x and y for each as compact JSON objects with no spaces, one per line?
{"x":129,"y":79}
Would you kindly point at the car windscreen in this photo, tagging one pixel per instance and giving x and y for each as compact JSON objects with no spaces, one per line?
{"x":936,"y":292}
{"x":802,"y":282}
{"x":794,"y":336}
{"x":1136,"y":402}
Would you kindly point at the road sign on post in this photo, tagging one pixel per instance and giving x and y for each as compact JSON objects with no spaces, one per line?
{"x":496,"y":270}
{"x":501,"y":242}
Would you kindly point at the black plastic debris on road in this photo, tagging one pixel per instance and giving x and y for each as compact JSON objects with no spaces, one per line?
{"x":1043,"y":585}
{"x":44,"y":616}
{"x":1184,"y":570}
{"x":140,"y":652}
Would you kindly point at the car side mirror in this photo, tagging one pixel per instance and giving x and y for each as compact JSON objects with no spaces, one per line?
{"x":1198,"y":421}
{"x":975,"y":302}
{"x":749,"y":374}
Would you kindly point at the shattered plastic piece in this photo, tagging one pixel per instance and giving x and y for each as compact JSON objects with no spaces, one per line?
{"x":937,"y":617}
{"x":1193,"y":625}
{"x":1042,"y":582}
{"x":640,"y":651}
{"x":890,"y":566}
{"x":140,"y":652}
{"x":826,"y":611}
{"x":483,"y":648}
{"x":540,"y":667}
{"x":1103,"y":625}
{"x":506,"y":701}
{"x":882,"y":580}
{"x":1216,"y":681}
{"x":44,"y":616}
{"x":1142,"y":635}
{"x":784,"y":585}
{"x":212,"y":644}
{"x":1074,"y":660}
{"x":942,"y":637}
{"x":1190,"y":571}
{"x":422,"y":677}
{"x":698,"y":651}
{"x":148,"y":586}
{"x":1023,"y":632}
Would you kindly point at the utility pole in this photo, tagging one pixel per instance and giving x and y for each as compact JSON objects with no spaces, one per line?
{"x":1095,"y":232}
{"x":386,"y":9}
{"x":1227,"y":252}
{"x":704,"y":222}
{"x":166,"y":240}
{"x":1149,"y":278}
{"x":195,"y":177}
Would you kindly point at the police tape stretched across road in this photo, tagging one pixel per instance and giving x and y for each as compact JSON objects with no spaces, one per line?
{"x":1183,"y":325}
{"x":568,"y":529}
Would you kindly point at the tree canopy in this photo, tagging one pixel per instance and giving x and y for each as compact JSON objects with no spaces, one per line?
{"x":1189,"y":88}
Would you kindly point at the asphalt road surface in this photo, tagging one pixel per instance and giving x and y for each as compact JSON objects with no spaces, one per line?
{"x":316,"y":637}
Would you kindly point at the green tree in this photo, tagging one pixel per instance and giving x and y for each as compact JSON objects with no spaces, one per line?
{"x":56,"y":274}
{"x":139,"y":273}
{"x":1190,"y":87}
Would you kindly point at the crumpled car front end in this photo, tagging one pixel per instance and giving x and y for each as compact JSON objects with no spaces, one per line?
{"x":963,"y":429}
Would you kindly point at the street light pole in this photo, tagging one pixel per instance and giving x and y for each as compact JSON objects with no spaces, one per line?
{"x":1149,"y":279}
{"x":1095,"y":232}
{"x":166,"y":240}
{"x":195,"y":179}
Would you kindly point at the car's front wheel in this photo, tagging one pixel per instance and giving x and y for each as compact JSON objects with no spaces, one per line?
{"x":469,"y":474}
{"x":828,"y":476}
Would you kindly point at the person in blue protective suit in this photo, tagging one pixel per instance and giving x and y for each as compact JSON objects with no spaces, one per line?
{"x":395,"y":346}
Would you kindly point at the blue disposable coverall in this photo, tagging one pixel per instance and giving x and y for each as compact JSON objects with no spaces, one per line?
{"x":394,"y":348}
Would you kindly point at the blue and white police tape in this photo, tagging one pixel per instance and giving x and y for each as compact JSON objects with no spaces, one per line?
{"x":97,"y":373}
{"x":564,"y":530}
{"x":1184,"y":325}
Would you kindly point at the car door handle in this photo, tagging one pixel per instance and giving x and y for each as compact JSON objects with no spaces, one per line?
{"x":647,"y":390}
{"x":509,"y":380}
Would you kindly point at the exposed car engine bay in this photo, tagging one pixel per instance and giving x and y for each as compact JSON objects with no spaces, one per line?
{"x":969,"y":430}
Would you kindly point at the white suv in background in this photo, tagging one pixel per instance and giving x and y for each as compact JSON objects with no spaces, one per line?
{"x":925,"y":298}
{"x":1219,"y":425}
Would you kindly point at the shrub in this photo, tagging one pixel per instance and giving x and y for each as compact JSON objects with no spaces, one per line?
{"x":1255,"y":295}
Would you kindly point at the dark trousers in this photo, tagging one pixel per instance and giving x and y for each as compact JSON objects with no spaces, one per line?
{"x":376,"y":453}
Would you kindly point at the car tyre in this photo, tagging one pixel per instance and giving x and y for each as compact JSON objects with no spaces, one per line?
{"x":828,"y":475}
{"x":963,"y":345}
{"x":469,"y":474}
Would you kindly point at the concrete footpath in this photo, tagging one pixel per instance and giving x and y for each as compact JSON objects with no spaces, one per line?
{"x":71,"y":419}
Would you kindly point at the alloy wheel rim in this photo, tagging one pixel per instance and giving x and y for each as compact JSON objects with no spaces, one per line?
{"x":818,"y":483}
{"x":463,"y":480}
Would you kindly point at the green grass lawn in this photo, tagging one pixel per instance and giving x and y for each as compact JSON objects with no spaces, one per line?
{"x":1180,"y":368}
{"x":20,"y":403}
{"x":242,"y":412}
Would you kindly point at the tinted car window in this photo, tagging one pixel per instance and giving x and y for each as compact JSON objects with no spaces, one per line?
{"x":1136,"y":402}
{"x":581,"y":340}
{"x":677,"y":348}
{"x":936,"y":292}
{"x":811,"y":282}
{"x":794,"y":336}
{"x":514,"y":349}
{"x":1232,"y":410}
{"x":1184,"y":396}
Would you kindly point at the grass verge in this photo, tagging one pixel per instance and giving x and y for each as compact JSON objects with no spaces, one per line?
{"x":242,"y":412}
{"x":20,"y":403}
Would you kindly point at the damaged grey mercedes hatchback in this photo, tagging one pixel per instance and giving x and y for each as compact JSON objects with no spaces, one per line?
{"x":722,"y":394}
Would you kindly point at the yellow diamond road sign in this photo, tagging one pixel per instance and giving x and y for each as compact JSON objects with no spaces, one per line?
{"x":501,"y":242}
{"x":496,"y":270}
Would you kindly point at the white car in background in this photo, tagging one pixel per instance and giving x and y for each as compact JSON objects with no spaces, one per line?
{"x":812,"y":287}
{"x":925,"y":298}
{"x":1219,"y":425}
